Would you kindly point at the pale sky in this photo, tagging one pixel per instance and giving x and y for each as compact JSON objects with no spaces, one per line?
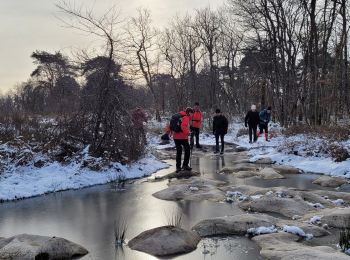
{"x":29,"y":25}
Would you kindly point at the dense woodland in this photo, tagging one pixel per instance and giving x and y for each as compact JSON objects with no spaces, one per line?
{"x":289,"y":54}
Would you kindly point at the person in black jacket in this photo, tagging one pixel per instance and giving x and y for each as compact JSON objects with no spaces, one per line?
{"x":220,"y":125}
{"x":252,"y":120}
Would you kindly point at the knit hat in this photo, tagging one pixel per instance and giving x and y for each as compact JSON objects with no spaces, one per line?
{"x":268,"y":108}
{"x":253,"y":107}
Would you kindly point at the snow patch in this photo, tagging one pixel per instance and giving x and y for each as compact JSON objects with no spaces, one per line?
{"x":261,"y":230}
{"x":296,"y":231}
{"x":315,"y":220}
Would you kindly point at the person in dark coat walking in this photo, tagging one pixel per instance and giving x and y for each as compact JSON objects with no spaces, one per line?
{"x":265,"y":117}
{"x":220,"y":125}
{"x":252,"y":120}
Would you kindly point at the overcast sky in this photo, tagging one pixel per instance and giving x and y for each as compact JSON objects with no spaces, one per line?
{"x":26,"y":26}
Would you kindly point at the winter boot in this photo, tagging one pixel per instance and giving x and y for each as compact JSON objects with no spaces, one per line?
{"x":267,"y":137}
{"x":186,"y":168}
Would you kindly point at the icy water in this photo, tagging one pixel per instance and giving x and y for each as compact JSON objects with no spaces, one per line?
{"x":87,"y":216}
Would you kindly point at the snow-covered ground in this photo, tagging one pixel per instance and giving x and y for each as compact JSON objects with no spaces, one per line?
{"x":304,"y":152}
{"x":29,"y":181}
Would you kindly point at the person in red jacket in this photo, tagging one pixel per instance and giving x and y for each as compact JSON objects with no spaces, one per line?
{"x":196,"y":124}
{"x":181,"y":140}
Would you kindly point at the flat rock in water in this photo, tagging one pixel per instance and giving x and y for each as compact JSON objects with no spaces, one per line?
{"x":29,"y":247}
{"x":164,"y":241}
{"x":283,"y":169}
{"x":283,"y":246}
{"x":246,"y":174}
{"x":327,"y":181}
{"x":286,"y":206}
{"x":192,"y":189}
{"x":233,"y":225}
{"x":266,"y":160}
{"x":270,"y":174}
{"x":238,"y":168}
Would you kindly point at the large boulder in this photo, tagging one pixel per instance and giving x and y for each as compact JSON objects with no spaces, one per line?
{"x":192,"y":189}
{"x":163,"y":241}
{"x":233,"y":225}
{"x":281,"y":205}
{"x":29,"y":247}
{"x":327,"y":181}
{"x":283,"y":246}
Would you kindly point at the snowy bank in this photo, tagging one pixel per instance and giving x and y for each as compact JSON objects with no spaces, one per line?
{"x":29,"y":181}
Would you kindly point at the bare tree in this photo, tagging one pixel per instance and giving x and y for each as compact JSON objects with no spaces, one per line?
{"x":141,"y":46}
{"x":111,"y":128}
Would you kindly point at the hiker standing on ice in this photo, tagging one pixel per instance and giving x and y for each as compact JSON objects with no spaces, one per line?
{"x":179,"y":125}
{"x":220,"y":125}
{"x":252,"y":120}
{"x":196,"y":124}
{"x":265,"y":117}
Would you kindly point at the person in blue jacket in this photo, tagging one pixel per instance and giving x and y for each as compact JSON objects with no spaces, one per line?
{"x":264,"y":117}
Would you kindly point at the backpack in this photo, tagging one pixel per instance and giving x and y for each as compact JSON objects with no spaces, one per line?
{"x":175,"y":123}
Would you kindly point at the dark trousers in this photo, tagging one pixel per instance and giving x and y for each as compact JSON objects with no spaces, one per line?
{"x":252,"y":132}
{"x":263,"y":127}
{"x":194,"y":133}
{"x":186,"y":145}
{"x":217,"y":141}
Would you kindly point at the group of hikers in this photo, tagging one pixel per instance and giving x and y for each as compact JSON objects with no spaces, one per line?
{"x":188,"y":123}
{"x":253,"y":119}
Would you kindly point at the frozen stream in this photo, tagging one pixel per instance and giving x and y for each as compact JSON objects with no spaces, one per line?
{"x":87,"y":216}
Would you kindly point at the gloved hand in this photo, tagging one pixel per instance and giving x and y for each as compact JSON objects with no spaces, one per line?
{"x":191,"y":128}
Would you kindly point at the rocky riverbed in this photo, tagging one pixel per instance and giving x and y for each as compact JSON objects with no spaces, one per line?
{"x":282,"y":219}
